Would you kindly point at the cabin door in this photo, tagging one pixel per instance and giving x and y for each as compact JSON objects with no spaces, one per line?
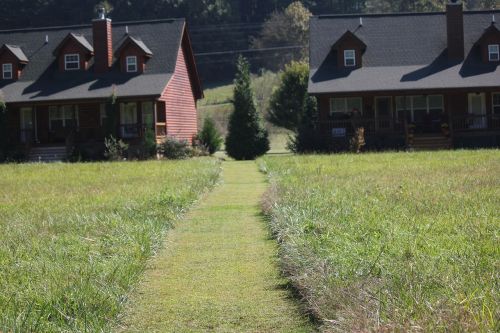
{"x":26,"y":125}
{"x":477,"y":110}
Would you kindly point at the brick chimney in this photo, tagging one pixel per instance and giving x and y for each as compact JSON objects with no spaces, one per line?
{"x":455,"y":29}
{"x":103,"y":43}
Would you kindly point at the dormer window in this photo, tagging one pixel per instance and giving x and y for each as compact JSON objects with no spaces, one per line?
{"x":72,"y":62}
{"x":7,"y":71}
{"x":349,"y":58}
{"x":131,"y":64}
{"x":493,"y":52}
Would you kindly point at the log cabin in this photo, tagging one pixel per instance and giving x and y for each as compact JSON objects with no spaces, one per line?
{"x":421,"y":80}
{"x":58,"y":84}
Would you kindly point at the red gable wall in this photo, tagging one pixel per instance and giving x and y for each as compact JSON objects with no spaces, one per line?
{"x":180,"y":101}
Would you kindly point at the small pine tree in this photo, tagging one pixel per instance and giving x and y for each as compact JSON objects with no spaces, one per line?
{"x":247,"y":139}
{"x":209,"y":136}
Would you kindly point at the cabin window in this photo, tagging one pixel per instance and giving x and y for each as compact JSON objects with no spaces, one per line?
{"x":131,"y":64}
{"x":71,"y":62}
{"x":494,"y":52}
{"x":496,"y":104}
{"x":65,"y":116}
{"x":345,"y":108}
{"x":147,"y":114}
{"x":7,"y":71}
{"x":349,"y":58}
{"x":420,"y":109}
{"x":128,"y":120}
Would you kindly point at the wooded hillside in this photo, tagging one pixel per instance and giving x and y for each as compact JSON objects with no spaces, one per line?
{"x":23,"y":13}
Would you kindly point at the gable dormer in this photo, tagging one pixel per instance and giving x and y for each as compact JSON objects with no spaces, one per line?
{"x":133,"y":55}
{"x":489,"y":45}
{"x":350,"y":51}
{"x":74,"y":53}
{"x":12,"y":62}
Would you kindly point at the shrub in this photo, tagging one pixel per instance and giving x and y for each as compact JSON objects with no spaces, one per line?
{"x":209,"y":136}
{"x":115,"y":149}
{"x":247,"y":138}
{"x":174,"y":149}
{"x":150,"y":146}
{"x":357,"y":142}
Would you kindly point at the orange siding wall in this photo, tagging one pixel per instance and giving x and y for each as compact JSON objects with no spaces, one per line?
{"x":180,"y":102}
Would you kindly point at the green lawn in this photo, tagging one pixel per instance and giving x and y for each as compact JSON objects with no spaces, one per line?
{"x":219,"y":270}
{"x":74,"y":238}
{"x":393,"y":241}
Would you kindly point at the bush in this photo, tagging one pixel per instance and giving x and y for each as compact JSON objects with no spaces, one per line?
{"x":150,"y":146}
{"x":357,"y":142}
{"x":115,"y":149}
{"x":174,"y":149}
{"x":209,"y":136}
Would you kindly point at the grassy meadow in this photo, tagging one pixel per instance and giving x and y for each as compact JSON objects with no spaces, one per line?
{"x":405,"y":242}
{"x":74,"y":238}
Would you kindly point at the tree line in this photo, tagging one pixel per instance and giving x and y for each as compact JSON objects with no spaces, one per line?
{"x":29,"y":13}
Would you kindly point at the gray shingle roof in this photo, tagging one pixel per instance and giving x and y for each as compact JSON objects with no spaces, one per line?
{"x":139,"y":43}
{"x":41,"y":80}
{"x":404,"y":52}
{"x":83,"y":41}
{"x":16,"y":51}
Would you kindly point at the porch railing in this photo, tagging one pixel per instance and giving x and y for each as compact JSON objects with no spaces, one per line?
{"x":340,"y":128}
{"x":475,"y":122}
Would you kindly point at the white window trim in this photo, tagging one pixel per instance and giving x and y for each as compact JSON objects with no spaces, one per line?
{"x":353,"y":58}
{"x":346,"y":111}
{"x":134,"y":58}
{"x":66,"y":62}
{"x":492,"y":52}
{"x":4,"y":71}
{"x":412,"y":107}
{"x":64,"y":119}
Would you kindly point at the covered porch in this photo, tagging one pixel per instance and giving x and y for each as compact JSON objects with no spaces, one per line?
{"x":402,"y":117}
{"x":72,"y":123}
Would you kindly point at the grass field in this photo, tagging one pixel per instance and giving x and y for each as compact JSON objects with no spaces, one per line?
{"x":74,"y":238}
{"x":391,"y":242}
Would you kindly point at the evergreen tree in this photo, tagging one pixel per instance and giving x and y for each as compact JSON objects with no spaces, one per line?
{"x":209,"y":136}
{"x":289,"y":102}
{"x":247,"y":138}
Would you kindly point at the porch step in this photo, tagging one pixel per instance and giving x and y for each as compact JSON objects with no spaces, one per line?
{"x":431,"y":142}
{"x":47,"y":154}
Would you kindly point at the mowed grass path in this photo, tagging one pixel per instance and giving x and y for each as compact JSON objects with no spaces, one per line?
{"x":218,"y":271}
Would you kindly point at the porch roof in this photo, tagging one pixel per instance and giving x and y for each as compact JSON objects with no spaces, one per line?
{"x":401,"y":78}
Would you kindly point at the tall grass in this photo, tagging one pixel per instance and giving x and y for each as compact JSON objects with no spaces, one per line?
{"x":392,"y":242}
{"x":75,"y":238}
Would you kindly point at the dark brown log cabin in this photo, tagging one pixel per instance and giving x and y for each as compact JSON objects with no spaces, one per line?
{"x":429,"y":80}
{"x":57,"y":82}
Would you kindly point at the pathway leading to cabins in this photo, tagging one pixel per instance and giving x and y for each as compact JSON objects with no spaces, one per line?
{"x":218,"y":271}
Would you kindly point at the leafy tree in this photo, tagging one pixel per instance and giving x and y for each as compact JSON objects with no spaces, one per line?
{"x":287,"y":28}
{"x":209,"y":136}
{"x":247,"y":138}
{"x":289,"y":101}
